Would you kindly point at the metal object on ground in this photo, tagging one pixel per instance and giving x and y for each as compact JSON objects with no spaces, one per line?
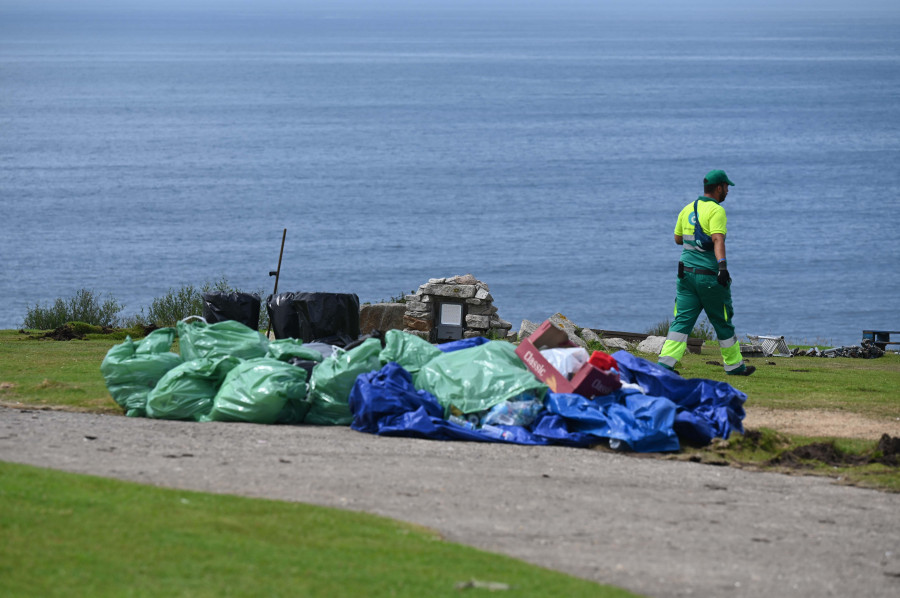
{"x":752,"y":350}
{"x":772,"y":346}
{"x":867,"y":350}
{"x":881,"y":338}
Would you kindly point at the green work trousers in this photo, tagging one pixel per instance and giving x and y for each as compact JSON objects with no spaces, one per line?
{"x":698,"y":293}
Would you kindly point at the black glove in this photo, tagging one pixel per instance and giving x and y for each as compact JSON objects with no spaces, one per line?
{"x":723,"y":277}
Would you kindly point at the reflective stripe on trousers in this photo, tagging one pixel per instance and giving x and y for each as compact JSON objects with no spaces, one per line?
{"x":731,"y":353}
{"x":673,"y":349}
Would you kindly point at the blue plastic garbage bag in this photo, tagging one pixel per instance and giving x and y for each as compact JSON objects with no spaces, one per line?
{"x":386,"y":403}
{"x":555,"y":429}
{"x":387,"y":394}
{"x":644,"y":423}
{"x":706,"y":408}
{"x":465,"y":343}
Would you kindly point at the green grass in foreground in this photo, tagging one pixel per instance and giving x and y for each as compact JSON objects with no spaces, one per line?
{"x":75,"y":535}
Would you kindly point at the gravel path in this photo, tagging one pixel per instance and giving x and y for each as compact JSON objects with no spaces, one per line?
{"x":656,"y":527}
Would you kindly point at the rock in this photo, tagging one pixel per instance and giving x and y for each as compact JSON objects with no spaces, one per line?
{"x":651,"y":344}
{"x":483,"y":322}
{"x":417,"y":323}
{"x":590,"y":336}
{"x":496,"y":322}
{"x":459,"y":291}
{"x":578,"y":340}
{"x":412,"y":306}
{"x":616,"y":344}
{"x":472,"y":333}
{"x":381,"y":316}
{"x":464,"y":279}
{"x":526,"y":329}
{"x":483,"y":294}
{"x":569,"y":328}
{"x":420,"y":314}
{"x":482,"y":310}
{"x":563,"y":322}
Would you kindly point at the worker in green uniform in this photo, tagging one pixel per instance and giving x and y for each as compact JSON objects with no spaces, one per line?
{"x":703,"y":280}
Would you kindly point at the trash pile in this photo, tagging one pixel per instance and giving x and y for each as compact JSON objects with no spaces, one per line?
{"x":397,"y":384}
{"x":867,"y":350}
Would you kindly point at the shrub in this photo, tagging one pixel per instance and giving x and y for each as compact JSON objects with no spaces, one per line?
{"x":84,"y":306}
{"x":178,"y":304}
{"x":175,"y":305}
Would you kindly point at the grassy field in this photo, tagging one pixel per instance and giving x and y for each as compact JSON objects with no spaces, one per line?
{"x":75,"y":535}
{"x":869,"y":387}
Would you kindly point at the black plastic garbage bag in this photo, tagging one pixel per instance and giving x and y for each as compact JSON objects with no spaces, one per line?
{"x":242,"y":307}
{"x":315,"y":316}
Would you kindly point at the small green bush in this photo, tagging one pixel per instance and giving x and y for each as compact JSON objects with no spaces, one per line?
{"x":87,"y":313}
{"x":84,"y":306}
{"x":175,"y":305}
{"x":180,"y":303}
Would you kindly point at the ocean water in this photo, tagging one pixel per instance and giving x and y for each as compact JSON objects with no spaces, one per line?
{"x":546,"y":155}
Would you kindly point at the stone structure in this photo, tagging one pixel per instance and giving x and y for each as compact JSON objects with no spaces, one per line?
{"x":474,"y":297}
{"x":381,"y":316}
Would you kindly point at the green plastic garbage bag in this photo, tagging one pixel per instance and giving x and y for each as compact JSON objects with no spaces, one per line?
{"x":187,"y":390}
{"x":286,"y":349}
{"x":261,"y":391}
{"x":333,"y":379}
{"x":198,"y":339}
{"x":476,"y":379}
{"x":408,"y":350}
{"x":131,"y":369}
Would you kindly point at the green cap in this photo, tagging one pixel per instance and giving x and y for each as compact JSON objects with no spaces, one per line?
{"x":716,"y":177}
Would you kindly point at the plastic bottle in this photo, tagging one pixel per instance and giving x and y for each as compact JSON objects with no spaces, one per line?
{"x":461,"y":421}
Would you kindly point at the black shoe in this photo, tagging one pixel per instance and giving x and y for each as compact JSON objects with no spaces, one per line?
{"x":744,"y":370}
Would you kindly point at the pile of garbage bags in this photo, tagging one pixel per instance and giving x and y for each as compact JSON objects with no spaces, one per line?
{"x":397,"y":384}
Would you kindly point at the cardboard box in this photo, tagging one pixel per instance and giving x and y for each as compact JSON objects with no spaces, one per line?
{"x":589,"y":381}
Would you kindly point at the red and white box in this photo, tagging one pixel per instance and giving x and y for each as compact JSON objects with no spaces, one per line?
{"x":589,"y":381}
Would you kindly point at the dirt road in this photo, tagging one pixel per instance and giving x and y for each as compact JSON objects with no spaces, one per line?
{"x":659,"y":528}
